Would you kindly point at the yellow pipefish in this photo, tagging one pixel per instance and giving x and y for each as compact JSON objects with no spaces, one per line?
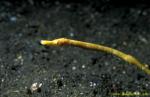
{"x":126,"y":57}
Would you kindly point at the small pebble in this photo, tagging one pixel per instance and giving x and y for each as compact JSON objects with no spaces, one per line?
{"x":144,"y":13}
{"x":143,"y":39}
{"x":71,"y":34}
{"x":124,"y":43}
{"x":83,"y":66}
{"x":124,"y":72}
{"x":2,"y":80}
{"x":13,"y":19}
{"x":146,"y":85}
{"x":74,"y":61}
{"x":73,"y":68}
{"x":106,"y":63}
{"x":114,"y":67}
{"x":68,"y":6}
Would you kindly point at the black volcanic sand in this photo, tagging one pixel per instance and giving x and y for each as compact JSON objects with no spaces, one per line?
{"x":70,"y":71}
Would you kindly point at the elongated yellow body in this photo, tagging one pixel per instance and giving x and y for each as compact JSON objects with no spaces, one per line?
{"x":128,"y":58}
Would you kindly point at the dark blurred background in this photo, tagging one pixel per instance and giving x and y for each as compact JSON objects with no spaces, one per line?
{"x":71,"y":71}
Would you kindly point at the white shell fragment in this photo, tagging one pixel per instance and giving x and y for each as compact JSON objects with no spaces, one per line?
{"x":35,"y":87}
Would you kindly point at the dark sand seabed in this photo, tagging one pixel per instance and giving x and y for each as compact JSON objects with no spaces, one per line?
{"x":71,"y":71}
